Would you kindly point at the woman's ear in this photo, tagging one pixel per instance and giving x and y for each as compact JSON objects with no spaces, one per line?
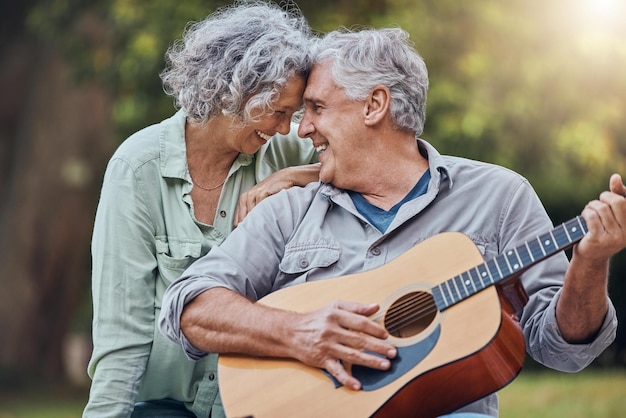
{"x":377,"y":105}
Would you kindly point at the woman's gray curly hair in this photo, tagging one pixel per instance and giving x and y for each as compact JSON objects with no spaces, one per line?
{"x":368,"y":57}
{"x":236,"y":60}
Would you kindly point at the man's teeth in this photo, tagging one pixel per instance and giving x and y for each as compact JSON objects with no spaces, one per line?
{"x":264,"y":136}
{"x":320,"y":148}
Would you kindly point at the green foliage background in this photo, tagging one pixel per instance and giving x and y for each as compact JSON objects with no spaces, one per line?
{"x":534,"y":85}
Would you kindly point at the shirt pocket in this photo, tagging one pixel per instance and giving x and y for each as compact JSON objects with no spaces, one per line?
{"x":301,"y":260}
{"x":175,"y":255}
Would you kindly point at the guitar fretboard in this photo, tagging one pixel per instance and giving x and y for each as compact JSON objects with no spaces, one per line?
{"x":508,"y":264}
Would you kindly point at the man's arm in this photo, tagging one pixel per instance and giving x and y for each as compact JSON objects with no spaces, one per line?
{"x":220,"y":320}
{"x":583,"y":303}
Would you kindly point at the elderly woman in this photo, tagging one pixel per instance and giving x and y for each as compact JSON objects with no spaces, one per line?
{"x":174,"y":190}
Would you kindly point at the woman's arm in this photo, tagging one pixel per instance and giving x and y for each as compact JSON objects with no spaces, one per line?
{"x":123,"y":294}
{"x":281,"y":179}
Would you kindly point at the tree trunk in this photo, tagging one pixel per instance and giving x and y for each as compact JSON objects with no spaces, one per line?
{"x":55,"y":139}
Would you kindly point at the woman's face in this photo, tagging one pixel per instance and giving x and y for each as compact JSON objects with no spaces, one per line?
{"x":249,"y":138}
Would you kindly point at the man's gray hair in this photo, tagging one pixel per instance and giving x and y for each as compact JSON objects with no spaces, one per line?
{"x":368,"y":57}
{"x":236,"y":60}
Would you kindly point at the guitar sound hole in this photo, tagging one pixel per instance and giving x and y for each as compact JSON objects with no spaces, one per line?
{"x":410,"y":314}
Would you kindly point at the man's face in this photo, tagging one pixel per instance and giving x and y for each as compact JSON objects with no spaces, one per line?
{"x":335,"y":124}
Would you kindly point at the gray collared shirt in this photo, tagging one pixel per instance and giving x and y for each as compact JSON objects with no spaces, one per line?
{"x":314,"y":233}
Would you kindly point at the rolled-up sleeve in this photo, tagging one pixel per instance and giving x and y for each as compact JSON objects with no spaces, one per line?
{"x":181,"y":292}
{"x":550,"y":349}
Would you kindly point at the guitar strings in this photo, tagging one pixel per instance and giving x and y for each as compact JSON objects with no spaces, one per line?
{"x":413,"y":308}
{"x":408,"y":305}
{"x":411,"y":311}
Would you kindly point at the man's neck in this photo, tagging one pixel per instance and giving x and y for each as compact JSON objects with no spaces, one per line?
{"x":397,"y":167}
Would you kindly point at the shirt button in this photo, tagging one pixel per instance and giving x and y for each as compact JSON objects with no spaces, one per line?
{"x":223,"y":213}
{"x":304,"y":263}
{"x":376,"y":251}
{"x":211,"y":376}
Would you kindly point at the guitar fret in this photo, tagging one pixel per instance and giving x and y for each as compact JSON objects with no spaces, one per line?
{"x":566,"y":229}
{"x":443,"y":294}
{"x":449,"y":288}
{"x":583,"y":225}
{"x":504,"y":269}
{"x":577,"y":228}
{"x":484,"y":274}
{"x":524,"y":256}
{"x":440,"y":303}
{"x":561,"y":237}
{"x":456,"y":287}
{"x":529,"y":253}
{"x":459,"y":286}
{"x":519,"y":263}
{"x":466,"y":283}
{"x":480,"y":281}
{"x":472,"y":279}
{"x":492,"y":272}
{"x":536,"y":249}
{"x":543,"y":250}
{"x":550,"y":244}
{"x":445,"y":300}
{"x":513,"y":260}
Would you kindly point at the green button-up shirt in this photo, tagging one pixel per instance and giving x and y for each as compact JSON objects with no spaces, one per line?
{"x":145,"y":235}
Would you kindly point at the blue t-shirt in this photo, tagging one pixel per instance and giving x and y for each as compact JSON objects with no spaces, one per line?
{"x":381,"y":218}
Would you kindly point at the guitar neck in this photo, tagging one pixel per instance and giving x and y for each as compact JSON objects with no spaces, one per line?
{"x":508,"y":265}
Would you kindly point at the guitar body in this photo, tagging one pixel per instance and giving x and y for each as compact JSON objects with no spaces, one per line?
{"x":446,"y":359}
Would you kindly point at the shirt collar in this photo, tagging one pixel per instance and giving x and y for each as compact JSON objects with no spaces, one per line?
{"x":173,"y":151}
{"x":439,"y":170}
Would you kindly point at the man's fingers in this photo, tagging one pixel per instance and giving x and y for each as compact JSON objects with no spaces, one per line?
{"x":338,"y":371}
{"x":616,"y":185}
{"x":361,"y":321}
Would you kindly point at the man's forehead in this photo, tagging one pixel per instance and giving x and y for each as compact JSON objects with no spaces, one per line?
{"x":320,"y":82}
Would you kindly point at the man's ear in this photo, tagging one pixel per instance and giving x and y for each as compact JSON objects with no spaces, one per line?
{"x":377,"y":105}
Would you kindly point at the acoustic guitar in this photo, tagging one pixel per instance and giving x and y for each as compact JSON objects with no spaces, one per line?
{"x":453,"y":323}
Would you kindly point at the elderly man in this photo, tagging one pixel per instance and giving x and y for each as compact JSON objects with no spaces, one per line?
{"x":381,"y":192}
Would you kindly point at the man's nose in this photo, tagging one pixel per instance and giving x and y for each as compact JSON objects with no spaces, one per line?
{"x":306,"y":127}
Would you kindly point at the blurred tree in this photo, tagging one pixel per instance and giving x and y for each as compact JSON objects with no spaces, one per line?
{"x":55,"y":138}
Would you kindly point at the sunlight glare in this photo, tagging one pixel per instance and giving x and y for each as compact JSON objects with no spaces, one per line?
{"x":603,"y":9}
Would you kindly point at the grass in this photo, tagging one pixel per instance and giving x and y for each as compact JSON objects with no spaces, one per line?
{"x":547,"y":394}
{"x":536,"y":394}
{"x":43,"y":402}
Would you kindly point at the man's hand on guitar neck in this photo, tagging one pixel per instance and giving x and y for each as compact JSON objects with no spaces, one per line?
{"x":584,"y":300}
{"x":606,"y":219}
